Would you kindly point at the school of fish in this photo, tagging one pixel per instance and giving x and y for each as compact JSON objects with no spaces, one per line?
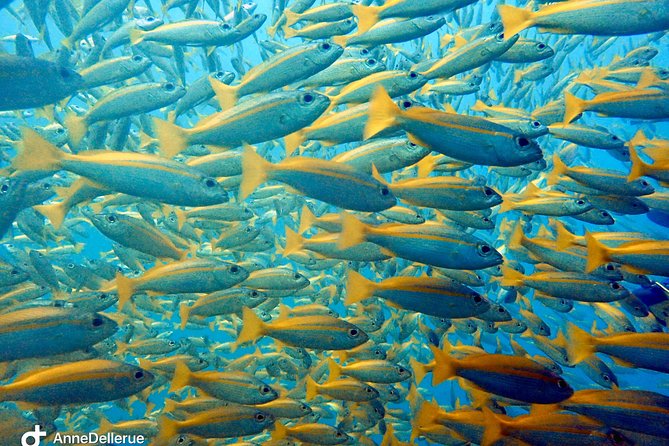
{"x":326,"y":222}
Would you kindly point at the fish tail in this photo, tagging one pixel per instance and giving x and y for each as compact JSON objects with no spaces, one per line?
{"x":307,"y":219}
{"x":559,"y":169}
{"x":184,"y":314}
{"x":180,"y":214}
{"x":367,"y":16}
{"x":136,"y":36}
{"x":511,"y":277}
{"x":125,"y":287}
{"x":289,"y":32}
{"x":352,"y":232}
{"x":145,"y":364}
{"x":425,"y":166}
{"x":638,"y":166}
{"x":565,"y":239}
{"x":383,"y":113}
{"x":647,"y":79}
{"x":574,"y":106}
{"x":226,"y":94}
{"x":54,"y":212}
{"x":280,"y":432}
{"x":334,"y":370}
{"x":340,"y":40}
{"x":514,"y":19}
{"x":104,"y":426}
{"x":254,"y":172}
{"x":517,"y":76}
{"x":419,"y":370}
{"x":358,"y":288}
{"x":167,"y":428}
{"x":294,"y":141}
{"x":597,"y":253}
{"x":639,"y":139}
{"x":170,"y":405}
{"x":494,"y":427}
{"x":252,"y":327}
{"x":173,"y":139}
{"x":77,"y":127}
{"x":181,"y":377}
{"x":292,"y":17}
{"x":311,"y":388}
{"x":581,"y":344}
{"x":444,"y":368}
{"x":121,"y":347}
{"x":36,"y":153}
{"x":294,"y":242}
{"x":517,"y":237}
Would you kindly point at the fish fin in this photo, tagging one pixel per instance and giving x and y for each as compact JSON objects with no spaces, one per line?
{"x":307,"y":219}
{"x":334,"y":370}
{"x":559,"y":169}
{"x":104,"y":426}
{"x":226,"y":94}
{"x":136,"y":36}
{"x":367,"y":16}
{"x":358,"y":288}
{"x":445,"y":367}
{"x":511,"y":277}
{"x":294,"y":141}
{"x":565,"y":239}
{"x":77,"y":127}
{"x":419,"y":370}
{"x":574,"y":106}
{"x":597,"y":253}
{"x":252,"y":327}
{"x":514,"y":19}
{"x":647,"y":79}
{"x":294,"y":242}
{"x":121,"y":347}
{"x":517,"y":76}
{"x":55,"y":212}
{"x":581,"y":344}
{"x":289,"y":32}
{"x":341,"y":40}
{"x":125,"y":287}
{"x":292,"y":17}
{"x":382,"y":113}
{"x":544,"y":409}
{"x":494,"y":427}
{"x":180,"y":214}
{"x":517,"y":237}
{"x":425,"y":166}
{"x":377,"y":176}
{"x":639,"y":139}
{"x":36,"y":153}
{"x":638,"y":166}
{"x":254,"y":172}
{"x":352,"y":231}
{"x":145,"y":364}
{"x":173,"y":139}
{"x":181,"y":377}
{"x":167,"y":428}
{"x":311,"y":388}
{"x":184,"y":314}
{"x":506,"y":205}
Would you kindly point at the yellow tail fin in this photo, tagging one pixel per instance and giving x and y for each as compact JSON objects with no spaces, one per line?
{"x":514,"y":20}
{"x":311,"y":388}
{"x":294,"y":242}
{"x":511,"y":277}
{"x":494,"y":427}
{"x":137,"y":36}
{"x":292,"y":17}
{"x":252,"y":327}
{"x":54,"y":212}
{"x":581,"y":344}
{"x":444,"y":368}
{"x":559,"y":169}
{"x":352,"y":231}
{"x":598,"y":253}
{"x":125,"y":287}
{"x":226,"y":94}
{"x":358,"y":288}
{"x":573,"y":107}
{"x":173,"y":139}
{"x":182,"y":375}
{"x":382,"y":113}
{"x":639,"y":168}
{"x":36,"y":153}
{"x":254,"y":172}
{"x":565,"y":239}
{"x":77,"y":126}
{"x":167,"y":428}
{"x":419,"y":370}
{"x":184,"y":314}
{"x":334,"y":370}
{"x":367,"y":16}
{"x":307,"y":219}
{"x":341,"y":40}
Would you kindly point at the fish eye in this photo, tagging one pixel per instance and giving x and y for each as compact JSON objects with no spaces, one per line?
{"x":219,"y":74}
{"x":617,"y":437}
{"x":384,"y":191}
{"x":371,"y":61}
{"x":254,"y":293}
{"x":303,"y":407}
{"x":234,"y":269}
{"x":325,"y":46}
{"x":412,"y":144}
{"x":308,"y":98}
{"x":265,"y":389}
{"x":522,"y":141}
{"x":562,"y":384}
{"x":225,"y":26}
{"x":486,"y":220}
{"x":60,"y":130}
{"x":259,"y":417}
{"x":338,"y":434}
{"x":181,"y":439}
{"x":364,"y":51}
{"x":137,"y":58}
{"x":413,"y":74}
{"x":500,"y":37}
{"x":489,"y":192}
{"x":477,"y":298}
{"x":580,"y":202}
{"x":111,"y":218}
{"x":407,"y":104}
{"x":401,"y":370}
{"x":297,"y":276}
{"x":64,"y":72}
{"x":139,"y":374}
{"x":644,"y":183}
{"x":102,"y":296}
{"x":14,"y":272}
{"x":171,"y":343}
{"x":501,"y":310}
{"x":4,"y":188}
{"x":541,"y":46}
{"x":536,"y":124}
{"x":615,"y":285}
{"x":353,"y":332}
{"x":606,"y":377}
{"x":210,"y":182}
{"x":604,"y":214}
{"x":248,"y":229}
{"x":46,"y":186}
{"x":97,"y":322}
{"x":70,"y":265}
{"x":615,"y":138}
{"x":609,"y":267}
{"x":484,"y":250}
{"x":169,"y":86}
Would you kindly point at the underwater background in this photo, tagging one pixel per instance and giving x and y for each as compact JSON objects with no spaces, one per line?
{"x":256,"y":281}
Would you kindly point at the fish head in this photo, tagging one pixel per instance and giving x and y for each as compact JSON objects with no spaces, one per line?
{"x":542,"y":50}
{"x":223,"y":76}
{"x":214,"y":192}
{"x":641,"y":187}
{"x":67,"y":79}
{"x":526,"y":150}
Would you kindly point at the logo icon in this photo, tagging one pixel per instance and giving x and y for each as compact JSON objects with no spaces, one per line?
{"x":33,"y":438}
